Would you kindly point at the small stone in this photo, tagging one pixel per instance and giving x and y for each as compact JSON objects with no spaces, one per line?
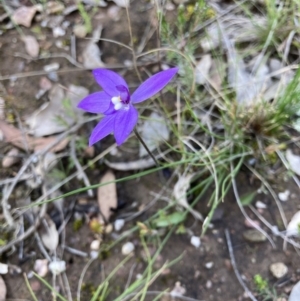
{"x":51,"y":67}
{"x":45,"y":83}
{"x":254,"y":235}
{"x":195,"y":241}
{"x":208,"y":284}
{"x":24,"y":15}
{"x":94,"y":254}
{"x":281,"y":299}
{"x":278,"y":269}
{"x":54,"y":7}
{"x":57,"y":267}
{"x":127,"y":248}
{"x":119,"y":224}
{"x":80,"y":30}
{"x":53,"y":76}
{"x":41,"y":267}
{"x":108,"y":228}
{"x":58,"y":32}
{"x":260,"y":205}
{"x":209,"y":265}
{"x":95,"y":245}
{"x":284,"y":196}
{"x":3,"y":268}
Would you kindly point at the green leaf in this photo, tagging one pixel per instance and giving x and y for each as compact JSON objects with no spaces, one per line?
{"x":169,"y":220}
{"x":247,"y":198}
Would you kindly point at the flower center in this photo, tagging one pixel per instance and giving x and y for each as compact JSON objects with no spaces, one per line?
{"x":123,"y":99}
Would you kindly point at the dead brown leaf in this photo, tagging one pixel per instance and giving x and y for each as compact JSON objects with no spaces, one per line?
{"x":24,"y":15}
{"x":31,"y":45}
{"x":49,"y":234}
{"x":107,"y":195}
{"x":14,"y":136}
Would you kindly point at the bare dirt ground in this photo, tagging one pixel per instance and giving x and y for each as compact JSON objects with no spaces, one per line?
{"x":202,"y":281}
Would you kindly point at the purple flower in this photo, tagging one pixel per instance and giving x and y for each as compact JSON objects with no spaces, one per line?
{"x":116,"y":103}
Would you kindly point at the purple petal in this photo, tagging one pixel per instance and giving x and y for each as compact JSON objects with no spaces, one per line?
{"x":125,"y":122}
{"x":108,"y":80}
{"x":102,"y":129}
{"x":97,"y":102}
{"x":153,"y":85}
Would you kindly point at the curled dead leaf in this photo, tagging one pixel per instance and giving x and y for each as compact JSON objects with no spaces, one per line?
{"x":12,"y":135}
{"x":24,"y":15}
{"x":107,"y":195}
{"x":49,"y":234}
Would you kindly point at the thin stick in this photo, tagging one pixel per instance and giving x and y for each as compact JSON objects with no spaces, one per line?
{"x":233,"y":263}
{"x":146,"y":147}
{"x":132,"y":46}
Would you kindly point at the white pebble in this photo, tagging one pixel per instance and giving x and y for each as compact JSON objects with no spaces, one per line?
{"x":127,"y":248}
{"x":51,"y":67}
{"x":260,"y":205}
{"x":284,"y":196}
{"x":94,"y":254}
{"x":195,"y":241}
{"x":95,"y":245}
{"x":208,"y":284}
{"x":57,"y":267}
{"x":119,"y":223}
{"x":209,"y":265}
{"x":3,"y":268}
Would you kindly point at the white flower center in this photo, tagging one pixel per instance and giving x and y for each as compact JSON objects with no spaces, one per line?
{"x":116,"y":100}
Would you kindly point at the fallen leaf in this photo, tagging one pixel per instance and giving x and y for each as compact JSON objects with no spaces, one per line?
{"x":54,"y":7}
{"x":31,"y":45}
{"x":24,"y":15}
{"x":180,"y":191}
{"x":11,"y":158}
{"x":295,"y":293}
{"x":91,"y":56}
{"x":107,"y":195}
{"x":59,"y":113}
{"x":154,"y":131}
{"x":294,"y":161}
{"x":248,"y":86}
{"x":293,"y":226}
{"x":12,"y":135}
{"x":202,"y":69}
{"x":49,"y":234}
{"x":122,"y":3}
{"x":133,"y":165}
{"x":2,"y":290}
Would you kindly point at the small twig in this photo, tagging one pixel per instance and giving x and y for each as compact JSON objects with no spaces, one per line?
{"x":27,"y":233}
{"x":236,"y":271}
{"x":79,"y":167}
{"x":73,"y":46}
{"x":41,"y":246}
{"x":82,"y":276}
{"x":146,"y":147}
{"x":132,"y":49}
{"x":75,"y":251}
{"x":5,"y":208}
